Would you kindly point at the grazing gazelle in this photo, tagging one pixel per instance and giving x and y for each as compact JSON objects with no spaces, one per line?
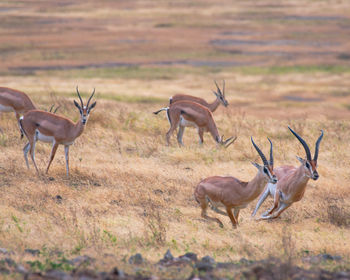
{"x":220,"y":98}
{"x":51,"y":128}
{"x":229,"y":192}
{"x":186,"y":113}
{"x":292,"y":182}
{"x":12,"y":100}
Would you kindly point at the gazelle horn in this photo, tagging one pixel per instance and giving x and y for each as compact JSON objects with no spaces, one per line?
{"x":90,"y":98}
{"x":302,"y":141}
{"x":260,"y":153}
{"x":271,"y":152}
{"x":81,"y":101}
{"x":318,"y":145}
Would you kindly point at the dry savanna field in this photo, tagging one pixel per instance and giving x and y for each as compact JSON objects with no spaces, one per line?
{"x":284,"y":64}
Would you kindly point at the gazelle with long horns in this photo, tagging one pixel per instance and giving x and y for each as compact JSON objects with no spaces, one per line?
{"x":292,"y":181}
{"x":220,"y":98}
{"x":51,"y":128}
{"x":231,"y":193}
{"x":186,"y":113}
{"x":12,"y":100}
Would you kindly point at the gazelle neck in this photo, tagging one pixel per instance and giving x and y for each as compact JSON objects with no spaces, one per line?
{"x":214,"y":105}
{"x":300,"y":178}
{"x":32,"y":106}
{"x":79,"y":128}
{"x":256,"y":185}
{"x":214,"y":130}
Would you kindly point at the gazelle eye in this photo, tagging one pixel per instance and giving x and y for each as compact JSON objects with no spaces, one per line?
{"x":265,"y":170}
{"x":307,"y":165}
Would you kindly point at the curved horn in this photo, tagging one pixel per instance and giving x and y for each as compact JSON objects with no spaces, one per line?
{"x":51,"y":107}
{"x":306,"y":147}
{"x":271,"y":152}
{"x":81,"y":101}
{"x":219,"y":90}
{"x":318,"y":145}
{"x":228,"y":141}
{"x":260,"y":152}
{"x":56,"y":109}
{"x":90,"y":98}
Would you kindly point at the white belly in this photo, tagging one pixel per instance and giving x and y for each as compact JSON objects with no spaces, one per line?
{"x":43,"y":137}
{"x":184,"y":122}
{"x":6,"y":108}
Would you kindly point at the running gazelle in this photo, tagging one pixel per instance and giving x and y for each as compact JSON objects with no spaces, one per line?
{"x":292,"y":181}
{"x":232,"y":193}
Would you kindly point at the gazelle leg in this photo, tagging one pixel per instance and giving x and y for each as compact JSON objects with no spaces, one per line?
{"x":217,"y":210}
{"x":232,"y":218}
{"x":32,"y":153}
{"x":262,"y":198}
{"x":66,"y":153}
{"x":17,"y":117}
{"x":174,"y":121}
{"x":236,"y":213}
{"x":276,"y":201}
{"x":52,"y":155}
{"x":200,"y":133}
{"x":204,"y":205}
{"x":214,"y":208}
{"x":283,"y":206}
{"x":180,"y":135}
{"x":25,"y":152}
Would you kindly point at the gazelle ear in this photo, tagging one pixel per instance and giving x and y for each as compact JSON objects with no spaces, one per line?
{"x":300,"y":159}
{"x":258,"y":166}
{"x":93,"y":105}
{"x":77,"y":105}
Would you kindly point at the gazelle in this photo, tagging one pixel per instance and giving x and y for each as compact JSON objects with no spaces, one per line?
{"x":51,"y":128}
{"x":220,"y":98}
{"x":230,"y":192}
{"x":186,"y":113}
{"x":12,"y":100}
{"x":292,"y":182}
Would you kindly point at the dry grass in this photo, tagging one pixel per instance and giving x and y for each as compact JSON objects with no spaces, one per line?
{"x":130,"y":193}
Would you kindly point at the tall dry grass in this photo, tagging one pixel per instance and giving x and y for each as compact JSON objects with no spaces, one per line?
{"x":129,"y":193}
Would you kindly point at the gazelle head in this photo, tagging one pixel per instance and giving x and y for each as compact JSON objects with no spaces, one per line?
{"x":309,"y":164}
{"x":221,"y":94}
{"x":84,"y":110}
{"x":267,"y":168}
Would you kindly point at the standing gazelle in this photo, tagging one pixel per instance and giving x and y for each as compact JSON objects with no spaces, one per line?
{"x":12,"y":100}
{"x":292,"y":182}
{"x":187,"y":113}
{"x":230,"y":192}
{"x":220,"y":98}
{"x":51,"y":128}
